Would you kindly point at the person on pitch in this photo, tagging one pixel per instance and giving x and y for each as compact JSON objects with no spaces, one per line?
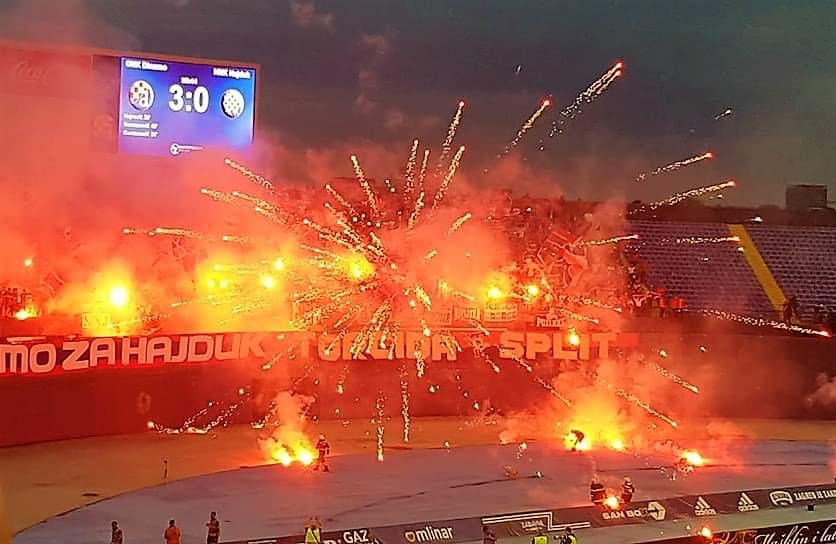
{"x":597,"y":492}
{"x":627,"y":490}
{"x":116,"y":535}
{"x":488,"y":536}
{"x":313,"y":531}
{"x":579,"y":436}
{"x":323,"y":448}
{"x":569,"y":537}
{"x":213,"y":531}
{"x":172,"y":533}
{"x":541,"y":537}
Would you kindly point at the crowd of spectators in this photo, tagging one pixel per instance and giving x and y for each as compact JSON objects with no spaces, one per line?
{"x":14,"y":300}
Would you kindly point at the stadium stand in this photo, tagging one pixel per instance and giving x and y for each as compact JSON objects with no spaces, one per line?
{"x":706,"y":275}
{"x":803,"y":261}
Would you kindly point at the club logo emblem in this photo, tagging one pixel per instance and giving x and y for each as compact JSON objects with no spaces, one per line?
{"x":232,"y":103}
{"x":141,"y":95}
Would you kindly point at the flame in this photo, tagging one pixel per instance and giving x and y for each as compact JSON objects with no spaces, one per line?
{"x":573,"y":338}
{"x":268,"y":282}
{"x":22,"y":314}
{"x":571,"y":442}
{"x":358,"y":267}
{"x":693,"y":458}
{"x":287,"y":454}
{"x":532,"y":290}
{"x":705,"y":532}
{"x":612,"y":502}
{"x":597,"y":416}
{"x":288,"y":444}
{"x":119,"y":296}
{"x":495,"y":293}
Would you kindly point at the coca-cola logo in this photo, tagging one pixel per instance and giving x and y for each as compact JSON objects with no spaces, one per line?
{"x":28,"y":72}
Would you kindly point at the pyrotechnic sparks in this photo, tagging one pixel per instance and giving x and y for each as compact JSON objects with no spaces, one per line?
{"x":722,"y":114}
{"x":379,"y":420}
{"x":258,"y":179}
{"x":678,"y":380}
{"x":540,"y":381}
{"x":371,"y":199}
{"x":698,"y":240}
{"x":405,"y":402}
{"x":448,"y":178}
{"x":409,"y":175}
{"x":528,"y":125}
{"x":369,"y":279}
{"x":634,"y":400}
{"x":422,"y":173}
{"x":451,"y":134}
{"x":679,"y":197}
{"x":457,"y":224}
{"x":604,"y":241}
{"x":765,"y":323}
{"x":587,"y":96}
{"x":676,"y":165}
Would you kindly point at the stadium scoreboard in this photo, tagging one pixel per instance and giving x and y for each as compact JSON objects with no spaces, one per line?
{"x":171,"y":108}
{"x":128,"y":102}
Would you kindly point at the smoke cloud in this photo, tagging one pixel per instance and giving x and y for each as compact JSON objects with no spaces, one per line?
{"x":305,"y":15}
{"x":825,"y":393}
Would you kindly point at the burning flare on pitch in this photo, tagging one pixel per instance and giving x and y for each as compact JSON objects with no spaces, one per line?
{"x":288,"y":444}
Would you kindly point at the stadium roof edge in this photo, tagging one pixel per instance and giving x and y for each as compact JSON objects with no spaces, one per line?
{"x":85,"y":50}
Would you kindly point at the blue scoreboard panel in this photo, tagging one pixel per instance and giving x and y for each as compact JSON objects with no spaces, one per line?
{"x":169,"y":108}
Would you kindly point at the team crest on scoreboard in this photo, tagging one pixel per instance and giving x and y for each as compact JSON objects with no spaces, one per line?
{"x":141,"y":95}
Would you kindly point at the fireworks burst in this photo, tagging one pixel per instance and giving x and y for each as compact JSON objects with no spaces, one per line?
{"x":370,"y":271}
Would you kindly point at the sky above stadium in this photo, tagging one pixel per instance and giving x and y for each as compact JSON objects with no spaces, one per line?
{"x":336,"y":73}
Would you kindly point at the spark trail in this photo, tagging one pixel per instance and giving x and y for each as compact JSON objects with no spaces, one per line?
{"x":528,"y":125}
{"x":446,"y":146}
{"x":676,"y":165}
{"x":587,"y":96}
{"x":679,"y":197}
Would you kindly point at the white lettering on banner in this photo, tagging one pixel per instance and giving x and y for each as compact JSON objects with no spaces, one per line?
{"x":357,"y":536}
{"x":529,"y":345}
{"x":654,"y":510}
{"x":815,"y":495}
{"x":36,"y":362}
{"x":14,"y":359}
{"x":829,"y":533}
{"x":75,"y":360}
{"x":86,"y":353}
{"x":43,"y":358}
{"x":798,"y":534}
{"x":429,"y":534}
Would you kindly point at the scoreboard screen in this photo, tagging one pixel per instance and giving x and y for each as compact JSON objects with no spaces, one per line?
{"x":169,"y":108}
